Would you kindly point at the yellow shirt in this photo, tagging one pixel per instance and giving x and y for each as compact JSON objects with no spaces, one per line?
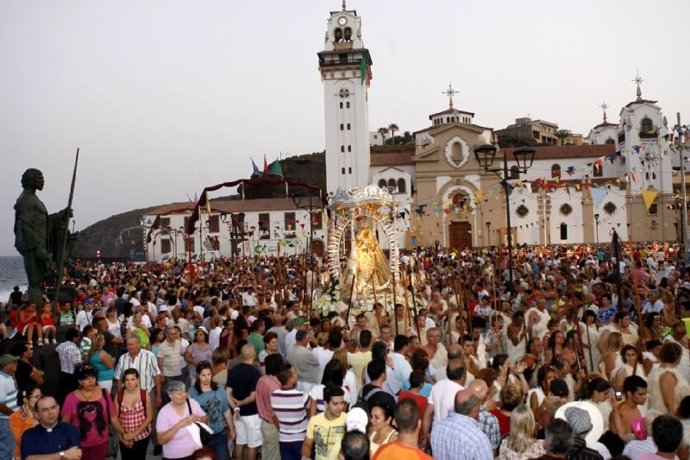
{"x":327,"y":436}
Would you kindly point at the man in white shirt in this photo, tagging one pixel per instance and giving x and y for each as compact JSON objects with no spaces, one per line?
{"x":443,"y":394}
{"x":85,"y":316}
{"x":401,"y":367}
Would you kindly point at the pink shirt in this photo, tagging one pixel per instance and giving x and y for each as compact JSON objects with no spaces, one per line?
{"x":94,"y":412}
{"x":264,"y":389}
{"x":182,"y":445}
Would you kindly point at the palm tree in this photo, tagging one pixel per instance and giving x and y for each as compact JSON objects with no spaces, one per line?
{"x":383,"y":131}
{"x":393,"y":128}
{"x":563,"y":134}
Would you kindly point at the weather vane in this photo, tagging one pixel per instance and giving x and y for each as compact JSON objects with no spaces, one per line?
{"x":603,"y":107}
{"x":450,"y":92}
{"x":638,"y":80}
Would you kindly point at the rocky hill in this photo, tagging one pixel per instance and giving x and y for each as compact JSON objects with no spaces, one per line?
{"x":120,"y":236}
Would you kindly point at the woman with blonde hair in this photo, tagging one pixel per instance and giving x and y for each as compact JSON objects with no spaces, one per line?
{"x":521,"y":444}
{"x":611,"y":357}
{"x":349,"y":379}
{"x":102,"y":362}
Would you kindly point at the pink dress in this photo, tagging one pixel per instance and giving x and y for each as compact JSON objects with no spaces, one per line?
{"x":91,"y":417}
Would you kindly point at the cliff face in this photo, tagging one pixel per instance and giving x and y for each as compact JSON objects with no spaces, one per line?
{"x":117,"y":236}
{"x":120,"y":236}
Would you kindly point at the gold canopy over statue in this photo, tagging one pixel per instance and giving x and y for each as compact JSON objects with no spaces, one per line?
{"x":363,"y":223}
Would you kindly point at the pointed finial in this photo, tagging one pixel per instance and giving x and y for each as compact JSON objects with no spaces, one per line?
{"x":344,"y":5}
{"x":638,"y":80}
{"x":603,"y":107}
{"x":450,"y":92}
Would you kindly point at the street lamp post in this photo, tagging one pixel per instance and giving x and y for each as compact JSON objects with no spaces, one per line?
{"x":488,"y":233}
{"x":524,"y":157}
{"x":682,"y":132}
{"x":596,"y":221}
{"x":297,"y":198}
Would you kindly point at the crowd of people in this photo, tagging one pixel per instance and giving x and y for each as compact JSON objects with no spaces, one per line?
{"x":573,"y":354}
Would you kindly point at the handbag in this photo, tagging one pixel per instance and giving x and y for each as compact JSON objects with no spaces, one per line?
{"x":204,"y":435}
{"x":113,"y":440}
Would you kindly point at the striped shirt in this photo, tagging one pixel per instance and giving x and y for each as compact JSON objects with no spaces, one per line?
{"x":145,"y":363}
{"x":290,"y":407}
{"x":459,"y":437}
{"x":8,"y":393}
{"x":69,"y":355}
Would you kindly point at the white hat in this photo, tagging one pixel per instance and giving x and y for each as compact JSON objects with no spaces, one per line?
{"x":163,"y":308}
{"x":357,"y":419}
{"x":234,"y":315}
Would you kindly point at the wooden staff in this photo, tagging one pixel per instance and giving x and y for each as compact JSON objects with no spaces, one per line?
{"x":406,"y":316}
{"x":414,"y":304}
{"x":63,"y":243}
{"x":395,"y":301}
{"x":589,"y":342}
{"x":349,"y":304}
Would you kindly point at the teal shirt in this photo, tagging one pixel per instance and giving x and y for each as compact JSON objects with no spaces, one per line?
{"x":257,"y":341}
{"x":214,"y":403}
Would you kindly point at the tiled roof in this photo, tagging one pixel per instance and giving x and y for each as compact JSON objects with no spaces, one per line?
{"x":570,"y":151}
{"x":230,"y":206}
{"x":400,"y":155}
{"x":453,"y":110}
{"x":640,"y":101}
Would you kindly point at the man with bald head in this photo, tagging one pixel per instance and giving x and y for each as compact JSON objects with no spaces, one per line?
{"x":458,"y":436}
{"x":441,"y":397}
{"x":488,"y":422}
{"x":242,"y":380}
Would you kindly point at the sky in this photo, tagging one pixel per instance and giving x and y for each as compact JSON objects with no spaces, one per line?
{"x":166,"y":97}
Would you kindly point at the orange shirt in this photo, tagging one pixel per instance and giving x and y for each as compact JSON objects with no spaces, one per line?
{"x":397,"y":451}
{"x":19,"y":423}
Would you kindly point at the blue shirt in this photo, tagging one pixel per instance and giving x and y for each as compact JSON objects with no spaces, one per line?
{"x":39,"y":441}
{"x":214,"y":403}
{"x":458,"y":437}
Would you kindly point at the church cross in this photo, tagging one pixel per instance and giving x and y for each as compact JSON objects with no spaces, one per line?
{"x":450,"y":92}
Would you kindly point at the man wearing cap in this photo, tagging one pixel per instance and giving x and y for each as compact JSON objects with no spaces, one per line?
{"x":8,"y":403}
{"x":51,"y":438}
{"x":581,"y":423}
{"x":85,"y":316}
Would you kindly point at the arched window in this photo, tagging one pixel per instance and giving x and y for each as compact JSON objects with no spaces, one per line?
{"x":347,"y":105}
{"x":556,"y":170}
{"x":342,"y":126}
{"x":382,"y":183}
{"x":348,"y":126}
{"x":338,"y":35}
{"x":401,"y":186}
{"x":341,"y":105}
{"x":646,"y":126}
{"x":347,"y":34}
{"x":514,"y":172}
{"x":349,"y":148}
{"x":447,"y":119}
{"x":349,"y":170}
{"x":610,"y":141}
{"x":342,"y":149}
{"x":391,"y":183}
{"x":564,"y":231}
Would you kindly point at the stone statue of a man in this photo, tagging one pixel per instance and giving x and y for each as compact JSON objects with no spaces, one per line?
{"x":36,"y":232}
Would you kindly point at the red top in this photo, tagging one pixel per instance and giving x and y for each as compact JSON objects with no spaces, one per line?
{"x":503,"y":422}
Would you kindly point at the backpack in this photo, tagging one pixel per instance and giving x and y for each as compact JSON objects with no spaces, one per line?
{"x":121,"y":395}
{"x":363,"y":400}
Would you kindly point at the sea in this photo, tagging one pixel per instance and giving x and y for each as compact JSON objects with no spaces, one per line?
{"x":11,"y":274}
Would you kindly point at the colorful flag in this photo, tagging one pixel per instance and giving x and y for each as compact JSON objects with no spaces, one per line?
{"x":363,"y":70}
{"x":276,"y":169}
{"x":265,"y":165}
{"x":255,"y":169}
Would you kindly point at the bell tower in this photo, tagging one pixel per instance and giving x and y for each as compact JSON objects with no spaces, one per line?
{"x":345,"y":66}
